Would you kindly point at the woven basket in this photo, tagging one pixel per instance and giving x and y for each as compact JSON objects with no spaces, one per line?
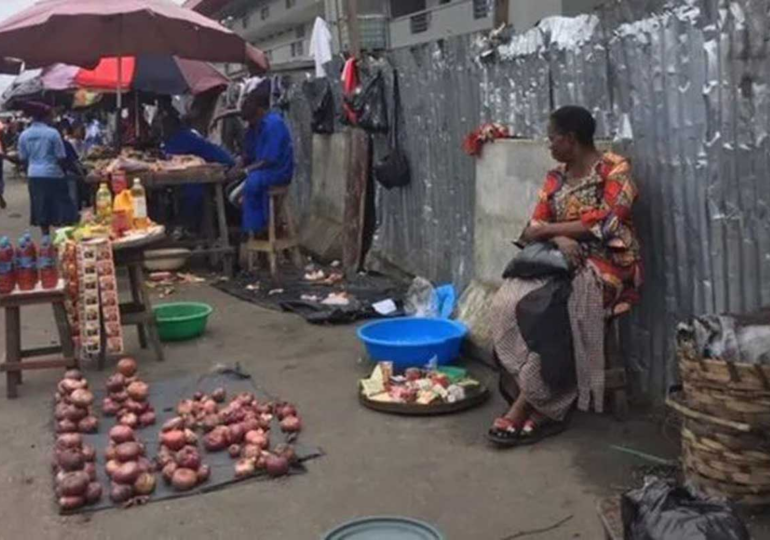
{"x":724,"y":458}
{"x":736,"y":391}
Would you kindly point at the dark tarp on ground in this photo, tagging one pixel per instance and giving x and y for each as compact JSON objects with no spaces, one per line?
{"x":367,"y":289}
{"x":164,"y":396}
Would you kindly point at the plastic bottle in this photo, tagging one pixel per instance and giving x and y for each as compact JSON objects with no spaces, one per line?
{"x":47,"y":264}
{"x":104,"y":204}
{"x":26,"y":263}
{"x":7,"y":268}
{"x":139,"y":197}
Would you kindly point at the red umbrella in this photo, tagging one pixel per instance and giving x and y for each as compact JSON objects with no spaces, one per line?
{"x":80,"y":32}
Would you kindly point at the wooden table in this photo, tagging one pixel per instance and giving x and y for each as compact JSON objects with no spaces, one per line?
{"x":56,"y":356}
{"x":216,"y":244}
{"x":129,"y":254}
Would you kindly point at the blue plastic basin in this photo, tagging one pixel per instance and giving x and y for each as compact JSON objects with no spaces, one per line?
{"x":412,"y":341}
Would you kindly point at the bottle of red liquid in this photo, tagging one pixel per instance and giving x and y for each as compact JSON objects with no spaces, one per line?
{"x":7,"y":268}
{"x":47,"y":264}
{"x":26,"y":263}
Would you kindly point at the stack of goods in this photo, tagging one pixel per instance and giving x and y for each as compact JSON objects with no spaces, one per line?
{"x":131,"y":160}
{"x":179,"y":458}
{"x":26,"y":268}
{"x":725,"y":405}
{"x":73,"y":410}
{"x":242,"y":427}
{"x":92,"y":296}
{"x":127,"y":397}
{"x":417,"y":386}
{"x":74,"y":462}
{"x":126,"y":464}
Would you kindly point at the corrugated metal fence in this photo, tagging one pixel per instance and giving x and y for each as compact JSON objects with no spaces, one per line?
{"x":686,"y":88}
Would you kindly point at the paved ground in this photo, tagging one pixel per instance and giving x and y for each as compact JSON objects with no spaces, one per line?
{"x":439,"y":469}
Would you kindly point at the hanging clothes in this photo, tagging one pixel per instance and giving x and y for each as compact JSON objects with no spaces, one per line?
{"x":320,"y":46}
{"x":350,"y":83}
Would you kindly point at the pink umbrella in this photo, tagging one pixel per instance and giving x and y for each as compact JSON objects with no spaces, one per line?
{"x":81,"y":32}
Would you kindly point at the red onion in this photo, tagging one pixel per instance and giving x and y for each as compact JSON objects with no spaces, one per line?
{"x":119,"y":397}
{"x":110,"y":452}
{"x":70,"y":460}
{"x":129,"y":419}
{"x":264,"y":408}
{"x":127,"y":367}
{"x":286,"y":410}
{"x":168,"y":471}
{"x":116,"y":383}
{"x":138,"y":390}
{"x":69,"y":440}
{"x":210,"y":422}
{"x":111,"y":467}
{"x":291,"y":424}
{"x":73,"y":484}
{"x":121,"y":493}
{"x":244,"y":468}
{"x":210,"y":406}
{"x":246,"y":397}
{"x":110,"y":407}
{"x":185,"y":407}
{"x":126,"y":473}
{"x":250,"y":424}
{"x":287,"y":451}
{"x":145,"y":484}
{"x":203,"y":473}
{"x":147,"y":418}
{"x":136,"y":407}
{"x":276,"y":465}
{"x":93,"y":493}
{"x":257,"y":438}
{"x":67,"y":386}
{"x":128,"y":451}
{"x":190,"y":437}
{"x":173,"y":440}
{"x":66,"y":426}
{"x":217,"y":439}
{"x":121,"y":434}
{"x":251,"y":451}
{"x":198,"y":395}
{"x":60,"y":411}
{"x":90,"y":470}
{"x":234,"y":450}
{"x":75,"y":413}
{"x":174,"y":423}
{"x":264,"y":421}
{"x":89,"y":453}
{"x":236,"y":434}
{"x":219,"y":395}
{"x":74,"y":374}
{"x":89,"y":424}
{"x":184,"y":479}
{"x":71,"y":503}
{"x":188,"y":458}
{"x":82,"y":398}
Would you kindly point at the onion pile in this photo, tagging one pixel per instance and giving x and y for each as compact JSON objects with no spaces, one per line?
{"x":73,"y":411}
{"x":242,"y":427}
{"x":74,"y":466}
{"x":127,"y":397}
{"x":131,"y":473}
{"x":179,"y":458}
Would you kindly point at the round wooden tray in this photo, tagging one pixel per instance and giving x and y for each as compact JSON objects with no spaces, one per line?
{"x":475,"y":396}
{"x":155,"y":234}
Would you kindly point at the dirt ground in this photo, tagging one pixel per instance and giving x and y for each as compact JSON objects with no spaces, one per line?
{"x":436,"y":469}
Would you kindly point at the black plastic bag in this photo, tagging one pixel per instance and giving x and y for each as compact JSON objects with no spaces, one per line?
{"x":544,"y":322}
{"x":393,"y":170}
{"x":661,"y":511}
{"x":319,"y":92}
{"x":369,"y":105}
{"x":539,"y":259}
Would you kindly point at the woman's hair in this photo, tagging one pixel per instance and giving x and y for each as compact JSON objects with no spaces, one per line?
{"x":576,"y":120}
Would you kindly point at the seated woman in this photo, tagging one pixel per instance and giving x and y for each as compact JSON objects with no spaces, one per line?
{"x":584,"y":209}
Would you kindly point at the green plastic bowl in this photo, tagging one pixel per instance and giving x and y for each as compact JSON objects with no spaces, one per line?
{"x":179,"y":321}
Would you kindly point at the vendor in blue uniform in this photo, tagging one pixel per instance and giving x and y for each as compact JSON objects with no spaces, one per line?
{"x":268,"y":157}
{"x":179,"y":139}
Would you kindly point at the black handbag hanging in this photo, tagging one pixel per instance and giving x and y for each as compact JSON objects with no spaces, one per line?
{"x":393,"y":170}
{"x":370,"y":106}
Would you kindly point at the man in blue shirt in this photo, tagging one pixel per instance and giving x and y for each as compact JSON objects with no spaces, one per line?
{"x":182,"y":140}
{"x":268,"y":158}
{"x":42,"y":149}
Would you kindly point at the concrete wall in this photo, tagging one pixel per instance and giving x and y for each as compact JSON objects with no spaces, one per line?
{"x":445,"y":20}
{"x":321,"y":231}
{"x":524,"y":14}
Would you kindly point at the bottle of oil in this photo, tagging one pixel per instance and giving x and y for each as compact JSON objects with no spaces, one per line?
{"x":140,"y":205}
{"x":104,"y":204}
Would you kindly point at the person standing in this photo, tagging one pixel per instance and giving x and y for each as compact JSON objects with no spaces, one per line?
{"x":42,"y":149}
{"x":268,"y":156}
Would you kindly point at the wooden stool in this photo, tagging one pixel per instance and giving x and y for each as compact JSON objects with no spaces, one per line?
{"x":57,"y":356}
{"x":276,"y":243}
{"x":615,"y":381}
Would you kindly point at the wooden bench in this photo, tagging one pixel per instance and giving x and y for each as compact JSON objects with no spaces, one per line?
{"x":57,"y":356}
{"x":281,"y":233}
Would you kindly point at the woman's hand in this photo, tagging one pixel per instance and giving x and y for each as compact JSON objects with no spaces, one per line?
{"x":571,"y":249}
{"x":536,"y":231}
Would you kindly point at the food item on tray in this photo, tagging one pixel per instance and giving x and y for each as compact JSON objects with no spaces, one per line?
{"x":416,"y":386}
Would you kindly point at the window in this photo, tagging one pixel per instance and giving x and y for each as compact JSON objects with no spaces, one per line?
{"x":480,"y":9}
{"x":442,"y":2}
{"x":290,"y":3}
{"x":297,"y":49}
{"x":264,"y":13}
{"x":419,"y":23}
{"x":299,"y":32}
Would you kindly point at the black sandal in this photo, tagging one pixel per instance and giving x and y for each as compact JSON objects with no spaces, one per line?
{"x":535,"y":431}
{"x":504,"y":433}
